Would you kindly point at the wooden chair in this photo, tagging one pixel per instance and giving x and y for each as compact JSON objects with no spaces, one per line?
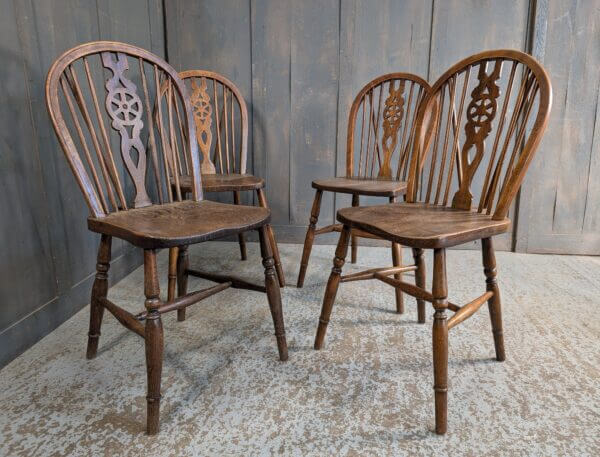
{"x":144,"y":210}
{"x":221,"y":120}
{"x":381,"y":129}
{"x":510,"y":98}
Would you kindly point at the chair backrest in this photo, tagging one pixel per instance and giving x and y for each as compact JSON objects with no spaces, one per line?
{"x":221,"y":120}
{"x":117,"y":70}
{"x":381,"y":126}
{"x":510,"y":97}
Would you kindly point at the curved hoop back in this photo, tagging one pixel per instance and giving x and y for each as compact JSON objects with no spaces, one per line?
{"x":381,"y":126}
{"x":122,"y":120}
{"x":485,"y":140}
{"x":221,"y":121}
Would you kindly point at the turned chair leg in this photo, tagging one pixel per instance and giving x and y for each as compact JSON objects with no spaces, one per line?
{"x":273,"y":293}
{"x":153,"y":339}
{"x":332,"y":285}
{"x":241,"y":239}
{"x":440,"y":341}
{"x":494,"y":304}
{"x":172,"y":274}
{"x":397,"y":261}
{"x":182,"y":277}
{"x":420,"y":280}
{"x":354,"y":238}
{"x":262,"y":201}
{"x":99,"y":290}
{"x":310,"y":236}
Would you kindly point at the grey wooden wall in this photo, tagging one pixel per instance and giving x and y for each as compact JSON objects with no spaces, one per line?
{"x":47,"y":255}
{"x":300,"y":63}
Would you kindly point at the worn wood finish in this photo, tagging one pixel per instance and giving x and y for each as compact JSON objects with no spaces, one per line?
{"x":380,"y":134}
{"x":149,"y":217}
{"x":441,"y":209}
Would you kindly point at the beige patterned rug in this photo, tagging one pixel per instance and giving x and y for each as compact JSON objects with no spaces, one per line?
{"x":368,"y":392}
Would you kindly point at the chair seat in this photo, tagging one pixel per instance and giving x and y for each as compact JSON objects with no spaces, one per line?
{"x":421,"y":225}
{"x":222,"y":183}
{"x":375,"y":187}
{"x":180,"y":223}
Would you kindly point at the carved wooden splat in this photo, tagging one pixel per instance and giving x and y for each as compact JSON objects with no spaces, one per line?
{"x":125,"y":109}
{"x":480,"y":114}
{"x":203,"y":120}
{"x":392,"y":119}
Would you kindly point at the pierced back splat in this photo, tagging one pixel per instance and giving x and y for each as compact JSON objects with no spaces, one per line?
{"x":127,"y":111}
{"x":506,"y":116}
{"x":381,"y":126}
{"x":203,"y":119}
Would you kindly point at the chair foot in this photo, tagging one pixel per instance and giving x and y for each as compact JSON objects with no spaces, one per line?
{"x":273,"y":293}
{"x":310,"y":237}
{"x":99,"y":290}
{"x":332,"y":286}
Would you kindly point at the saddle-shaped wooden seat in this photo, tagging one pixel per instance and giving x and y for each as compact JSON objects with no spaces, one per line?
{"x":232,"y":182}
{"x":362,"y":186}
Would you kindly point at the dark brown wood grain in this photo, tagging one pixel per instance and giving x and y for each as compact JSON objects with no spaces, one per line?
{"x":442,"y":210}
{"x":157,"y":217}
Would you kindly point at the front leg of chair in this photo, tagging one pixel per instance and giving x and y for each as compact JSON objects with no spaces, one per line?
{"x":183,"y":264}
{"x":241,"y":239}
{"x":332,"y":285}
{"x":273,"y":293}
{"x":172,"y":274}
{"x":420,"y":281}
{"x":397,"y":261}
{"x":354,"y":239}
{"x":494,"y":304}
{"x":310,"y":236}
{"x":262,"y":201}
{"x":440,"y":341}
{"x":153,"y":340}
{"x":99,"y":290}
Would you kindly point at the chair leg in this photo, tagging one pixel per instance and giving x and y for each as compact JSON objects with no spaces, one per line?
{"x":440,"y":341}
{"x":420,"y":280}
{"x":99,"y":290}
{"x":172,"y":274}
{"x":332,"y":285}
{"x":262,"y":201}
{"x":310,"y":236}
{"x":494,"y":304}
{"x":273,"y":293}
{"x":354,"y":239}
{"x":154,"y":341}
{"x":397,"y":261}
{"x":241,"y":239}
{"x":182,"y":277}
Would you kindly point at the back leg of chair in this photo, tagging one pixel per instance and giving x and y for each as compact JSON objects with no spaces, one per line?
{"x":310,"y":236}
{"x":241,"y":239}
{"x":172,"y":281}
{"x":182,"y":277}
{"x":354,"y":253}
{"x":440,"y":341}
{"x":99,"y":291}
{"x":262,"y":201}
{"x":397,"y":261}
{"x":420,"y":280}
{"x":494,"y":304}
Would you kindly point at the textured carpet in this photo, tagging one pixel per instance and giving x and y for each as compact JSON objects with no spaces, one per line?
{"x":368,"y":392}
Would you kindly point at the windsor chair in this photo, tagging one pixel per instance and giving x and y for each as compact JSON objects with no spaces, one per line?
{"x":143,"y":210}
{"x":216,"y":105}
{"x":381,"y":129}
{"x":441,"y":210}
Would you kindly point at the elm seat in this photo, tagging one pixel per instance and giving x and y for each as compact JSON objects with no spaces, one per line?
{"x":362,"y":186}
{"x":422,"y":225}
{"x":180,"y":223}
{"x":222,"y":182}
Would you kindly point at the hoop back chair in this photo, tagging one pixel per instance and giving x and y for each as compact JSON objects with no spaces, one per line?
{"x":144,"y":209}
{"x":381,"y":131}
{"x":486,"y":142}
{"x":221,"y":121}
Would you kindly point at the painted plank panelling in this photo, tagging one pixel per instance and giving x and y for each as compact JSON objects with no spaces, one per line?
{"x":271,"y":101}
{"x":563,"y":214}
{"x":314,"y":73}
{"x":373,"y":41}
